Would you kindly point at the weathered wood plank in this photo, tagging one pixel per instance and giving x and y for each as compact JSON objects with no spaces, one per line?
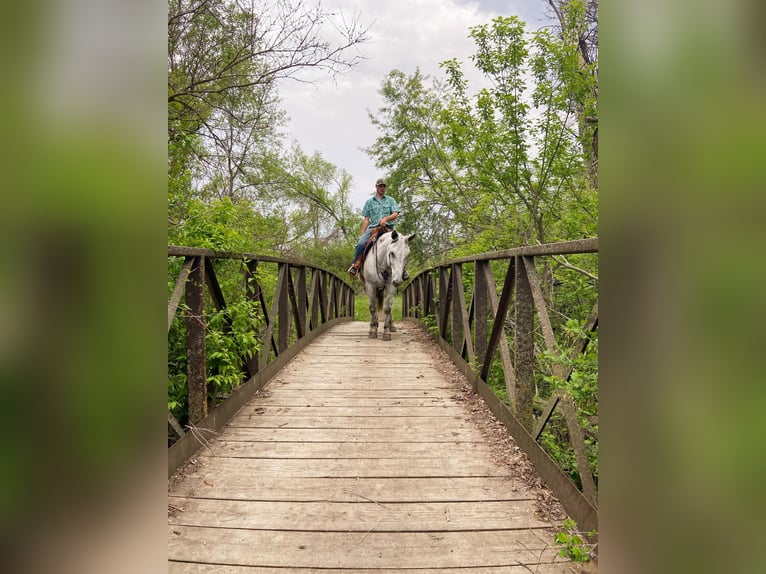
{"x":352,"y":468}
{"x":213,"y":482}
{"x":330,"y":392}
{"x":365,"y":400}
{"x":364,"y":435}
{"x":351,"y":366}
{"x":196,"y":568}
{"x":414,"y":424}
{"x":359,"y":550}
{"x":361,"y":517}
{"x":436,"y":410}
{"x":338,"y":450}
{"x":331,"y":380}
{"x":334,"y":468}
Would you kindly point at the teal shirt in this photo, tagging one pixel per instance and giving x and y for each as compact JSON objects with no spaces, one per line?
{"x":377,"y":210}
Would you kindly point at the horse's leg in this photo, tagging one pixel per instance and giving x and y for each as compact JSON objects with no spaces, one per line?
{"x":373,"y":302}
{"x":391,"y":327}
{"x":387,"y":304}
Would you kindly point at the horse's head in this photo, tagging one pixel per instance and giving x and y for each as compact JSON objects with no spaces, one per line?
{"x":398,"y":252}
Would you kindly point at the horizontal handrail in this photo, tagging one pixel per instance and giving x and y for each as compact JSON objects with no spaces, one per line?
{"x":576,"y":246}
{"x":180,"y":251}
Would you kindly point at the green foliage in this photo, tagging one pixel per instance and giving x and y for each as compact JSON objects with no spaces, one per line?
{"x":429,"y":321}
{"x":226,"y":225}
{"x":554,"y":440}
{"x":496,"y":381}
{"x":177,"y":389}
{"x":574,"y":545}
{"x":473,"y":172}
{"x":582,"y":387}
{"x":231,"y":340}
{"x":362,"y":307}
{"x":503,"y":167}
{"x":310,"y":196}
{"x":569,"y":289}
{"x":231,"y":185}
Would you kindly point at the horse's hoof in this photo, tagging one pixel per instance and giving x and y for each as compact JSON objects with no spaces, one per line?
{"x":392,"y":329}
{"x":386,"y":336}
{"x":373,"y":335}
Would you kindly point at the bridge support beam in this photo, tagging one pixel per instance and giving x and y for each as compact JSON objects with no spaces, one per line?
{"x":524,"y":347}
{"x":196,"y":372}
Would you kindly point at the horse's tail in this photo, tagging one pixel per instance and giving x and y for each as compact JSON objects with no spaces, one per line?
{"x":379,"y":294}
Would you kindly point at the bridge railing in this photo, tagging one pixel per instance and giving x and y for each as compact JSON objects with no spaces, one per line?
{"x":290,"y":302}
{"x":511,"y":336}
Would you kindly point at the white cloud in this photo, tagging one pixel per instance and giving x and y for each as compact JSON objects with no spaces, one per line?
{"x":331,"y":116}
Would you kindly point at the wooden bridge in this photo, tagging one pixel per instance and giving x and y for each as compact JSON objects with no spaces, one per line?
{"x":344,"y":454}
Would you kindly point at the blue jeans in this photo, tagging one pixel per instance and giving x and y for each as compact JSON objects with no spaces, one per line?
{"x":362,"y":242}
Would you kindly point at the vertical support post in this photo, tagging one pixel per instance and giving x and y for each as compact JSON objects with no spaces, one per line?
{"x":481,"y":310}
{"x":196,"y":371}
{"x":314,"y":303}
{"x":406,"y":301}
{"x":431,"y":296}
{"x":334,"y":297}
{"x":283,"y":310}
{"x":293,"y":302}
{"x":524,"y":346}
{"x":323,"y":303}
{"x":498,"y":340}
{"x":349,"y":302}
{"x":300,"y":289}
{"x":457,"y":312}
{"x":421,"y":299}
{"x":445,"y":293}
{"x":253,"y":293}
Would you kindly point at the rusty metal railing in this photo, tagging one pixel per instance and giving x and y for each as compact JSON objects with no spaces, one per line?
{"x":458,"y":300}
{"x":304,"y":302}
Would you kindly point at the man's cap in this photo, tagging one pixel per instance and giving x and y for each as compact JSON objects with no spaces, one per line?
{"x":381,"y":180}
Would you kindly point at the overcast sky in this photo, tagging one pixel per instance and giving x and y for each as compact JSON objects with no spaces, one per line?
{"x":330,"y":117}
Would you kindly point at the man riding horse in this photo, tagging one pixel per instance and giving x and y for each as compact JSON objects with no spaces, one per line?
{"x":381,"y":210}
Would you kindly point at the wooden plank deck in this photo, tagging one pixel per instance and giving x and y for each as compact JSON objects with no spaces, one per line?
{"x":357,"y":457}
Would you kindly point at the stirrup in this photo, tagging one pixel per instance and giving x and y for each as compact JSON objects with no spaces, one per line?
{"x":353,"y":270}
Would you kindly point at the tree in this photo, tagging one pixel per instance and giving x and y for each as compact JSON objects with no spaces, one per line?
{"x":578,"y":29}
{"x":313,"y":194}
{"x":500,"y":168}
{"x":222,"y":52}
{"x":411,"y":149}
{"x":224,"y":60}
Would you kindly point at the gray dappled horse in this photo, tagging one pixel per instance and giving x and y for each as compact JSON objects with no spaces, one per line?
{"x":382,"y":273}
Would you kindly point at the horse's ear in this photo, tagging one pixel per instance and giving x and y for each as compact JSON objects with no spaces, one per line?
{"x":394,"y":235}
{"x":411,"y":235}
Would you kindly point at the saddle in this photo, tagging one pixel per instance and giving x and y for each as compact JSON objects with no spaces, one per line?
{"x":375,"y":234}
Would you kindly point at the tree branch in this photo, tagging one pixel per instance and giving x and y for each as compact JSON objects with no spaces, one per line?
{"x":561,"y":260}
